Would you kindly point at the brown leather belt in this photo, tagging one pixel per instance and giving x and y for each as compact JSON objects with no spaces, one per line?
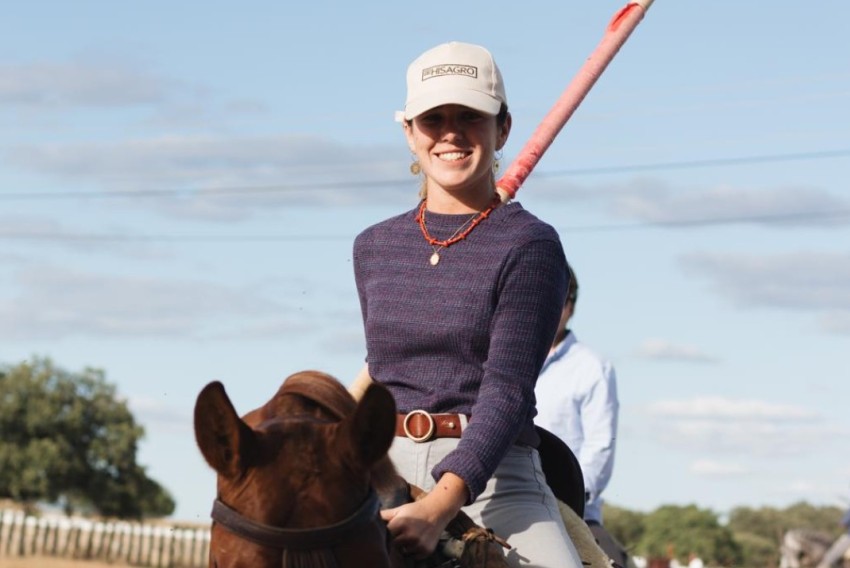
{"x":421,"y":426}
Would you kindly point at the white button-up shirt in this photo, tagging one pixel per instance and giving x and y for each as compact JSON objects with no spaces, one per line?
{"x":577,"y":401}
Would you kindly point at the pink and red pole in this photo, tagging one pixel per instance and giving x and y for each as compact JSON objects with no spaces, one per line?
{"x":618,"y":31}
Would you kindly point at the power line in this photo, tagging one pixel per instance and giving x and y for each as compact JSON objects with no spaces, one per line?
{"x":713,"y":221}
{"x":107,"y":237}
{"x":701,"y":163}
{"x":313,"y":186}
{"x":210,"y":192}
{"x":704,"y":222}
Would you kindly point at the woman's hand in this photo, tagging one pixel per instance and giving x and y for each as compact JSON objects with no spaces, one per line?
{"x":416,"y":527}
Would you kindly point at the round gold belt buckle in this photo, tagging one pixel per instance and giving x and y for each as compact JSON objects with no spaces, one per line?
{"x":431,"y":426}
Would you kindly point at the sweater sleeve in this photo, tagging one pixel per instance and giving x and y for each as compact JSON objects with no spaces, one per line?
{"x":531,"y":293}
{"x":359,"y":268}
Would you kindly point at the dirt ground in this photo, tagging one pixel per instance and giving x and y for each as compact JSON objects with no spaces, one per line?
{"x":45,"y":562}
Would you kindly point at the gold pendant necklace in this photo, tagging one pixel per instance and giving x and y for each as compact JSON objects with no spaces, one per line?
{"x":435,"y":256}
{"x":458,"y":235}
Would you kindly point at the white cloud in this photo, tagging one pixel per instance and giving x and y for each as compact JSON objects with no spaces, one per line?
{"x":836,"y":321}
{"x":46,"y":231}
{"x":666,"y":350}
{"x":56,"y":302}
{"x":721,"y":408}
{"x":712,"y":468}
{"x":746,"y":437}
{"x":801,"y":486}
{"x":739,"y":427}
{"x":80,"y":83}
{"x":266,"y":329}
{"x":350,"y":340}
{"x":8,"y":260}
{"x":783,"y":206}
{"x":39,"y":92}
{"x":217,"y":177}
{"x":809,"y":281}
{"x":814,"y":491}
{"x":153,"y":413}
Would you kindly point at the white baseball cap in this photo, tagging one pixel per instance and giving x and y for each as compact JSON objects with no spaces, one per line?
{"x":453,"y":73}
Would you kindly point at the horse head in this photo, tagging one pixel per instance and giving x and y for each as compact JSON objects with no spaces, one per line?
{"x":294,"y":474}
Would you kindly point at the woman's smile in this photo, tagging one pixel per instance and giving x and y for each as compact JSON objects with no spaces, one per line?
{"x":455,"y":145}
{"x":452,"y":156}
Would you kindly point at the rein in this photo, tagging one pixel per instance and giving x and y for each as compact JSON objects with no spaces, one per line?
{"x":297,"y":539}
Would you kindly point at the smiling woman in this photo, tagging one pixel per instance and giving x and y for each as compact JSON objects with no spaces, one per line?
{"x":460,"y":300}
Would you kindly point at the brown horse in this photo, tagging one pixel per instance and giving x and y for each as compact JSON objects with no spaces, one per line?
{"x":294,"y":476}
{"x":299,"y":478}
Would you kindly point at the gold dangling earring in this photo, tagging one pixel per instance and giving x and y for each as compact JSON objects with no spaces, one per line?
{"x":497,"y":161}
{"x":415,"y":168}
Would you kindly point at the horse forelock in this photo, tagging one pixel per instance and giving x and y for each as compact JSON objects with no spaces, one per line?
{"x":303,"y":395}
{"x":322,"y":389}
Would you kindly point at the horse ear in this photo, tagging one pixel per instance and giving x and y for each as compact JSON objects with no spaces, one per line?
{"x":371,"y":428}
{"x":223,"y":438}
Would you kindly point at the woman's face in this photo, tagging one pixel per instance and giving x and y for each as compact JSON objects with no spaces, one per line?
{"x":455,"y":146}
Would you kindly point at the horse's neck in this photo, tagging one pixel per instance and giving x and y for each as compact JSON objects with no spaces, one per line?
{"x":391,"y":488}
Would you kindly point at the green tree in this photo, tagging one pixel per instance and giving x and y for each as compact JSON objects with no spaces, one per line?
{"x":625,"y":525}
{"x":67,"y":438}
{"x":766,"y":522}
{"x":825,"y":519}
{"x":677,"y":532}
{"x":757,"y":551}
{"x":759,"y":531}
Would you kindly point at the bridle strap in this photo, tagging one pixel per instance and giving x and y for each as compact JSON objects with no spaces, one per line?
{"x":296,"y":539}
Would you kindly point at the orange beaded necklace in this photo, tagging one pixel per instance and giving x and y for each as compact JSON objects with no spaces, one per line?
{"x":458,"y":236}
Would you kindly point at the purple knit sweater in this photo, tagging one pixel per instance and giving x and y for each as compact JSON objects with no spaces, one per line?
{"x":468,"y":335}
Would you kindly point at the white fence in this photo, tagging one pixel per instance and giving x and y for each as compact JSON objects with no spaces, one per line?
{"x":117,"y":542}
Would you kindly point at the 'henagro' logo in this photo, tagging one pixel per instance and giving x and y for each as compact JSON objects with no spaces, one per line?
{"x":470,"y":71}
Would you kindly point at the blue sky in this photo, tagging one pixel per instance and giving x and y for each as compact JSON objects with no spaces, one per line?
{"x":180,"y":185}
